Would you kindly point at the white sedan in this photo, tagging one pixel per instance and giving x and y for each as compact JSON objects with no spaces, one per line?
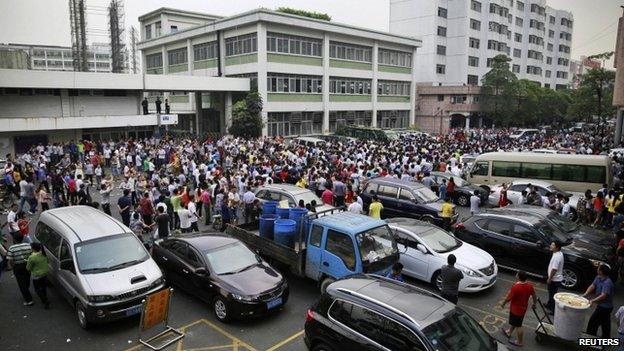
{"x":515,"y":188}
{"x":424,"y":248}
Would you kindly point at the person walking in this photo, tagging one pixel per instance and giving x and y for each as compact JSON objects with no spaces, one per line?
{"x":518,"y":297}
{"x":448,"y":210}
{"x":555,"y":275}
{"x":226,"y":216}
{"x":193,"y":214}
{"x":162,"y":222}
{"x":375,"y":208}
{"x":339,"y":191}
{"x":37,"y":265}
{"x":43,"y":198}
{"x":355,"y":207}
{"x":185,"y":219}
{"x":475,"y":202}
{"x":451,"y":277}
{"x":206,"y":202}
{"x":124,"y":204}
{"x":602,"y":286}
{"x":105,"y":192}
{"x":147,"y":209}
{"x":17,"y":256}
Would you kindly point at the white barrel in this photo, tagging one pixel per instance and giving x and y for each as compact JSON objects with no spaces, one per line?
{"x":570,"y":313}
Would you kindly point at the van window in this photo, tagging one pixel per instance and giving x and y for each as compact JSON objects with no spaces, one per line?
{"x":570,"y":173}
{"x":49,"y":238}
{"x":316,"y":235}
{"x":65,"y":251}
{"x":371,"y":188}
{"x":536,"y":170}
{"x":341,"y":245}
{"x":406,"y":195}
{"x":387,"y":190}
{"x":375,"y":327}
{"x":505,"y":169}
{"x":481,"y":168}
{"x":596,"y":174}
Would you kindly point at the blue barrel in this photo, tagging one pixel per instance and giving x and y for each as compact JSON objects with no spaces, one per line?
{"x":283,"y":213}
{"x":298,"y":215}
{"x":284,"y":232}
{"x":267,"y":222}
{"x":268,"y":207}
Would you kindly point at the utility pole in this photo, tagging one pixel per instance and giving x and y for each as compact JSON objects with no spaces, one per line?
{"x":115,"y":29}
{"x":134,"y":38}
{"x":78,"y":24}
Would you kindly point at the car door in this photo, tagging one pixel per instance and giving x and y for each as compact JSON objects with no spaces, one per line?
{"x":314,"y":252}
{"x":51,"y":242}
{"x":200,"y":284}
{"x":529,"y":249}
{"x":348,"y":328}
{"x":339,"y":258}
{"x":496,"y":240}
{"x":175,"y":251}
{"x":70,"y":285}
{"x":406,"y":204}
{"x":415,"y":263}
{"x":387,"y":195}
{"x":367,"y":194}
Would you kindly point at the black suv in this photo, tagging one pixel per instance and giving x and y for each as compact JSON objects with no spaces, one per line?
{"x":369,"y":312}
{"x":402,"y":198}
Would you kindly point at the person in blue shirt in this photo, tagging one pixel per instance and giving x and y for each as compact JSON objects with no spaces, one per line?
{"x":395,"y":273}
{"x":442,"y":190}
{"x":603,"y":288}
{"x":225,"y":213}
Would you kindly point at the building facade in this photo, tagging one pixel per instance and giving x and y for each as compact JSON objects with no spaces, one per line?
{"x":312,"y":75}
{"x":441,"y":108}
{"x":580,"y":67}
{"x":459,"y":38}
{"x":59,"y":58}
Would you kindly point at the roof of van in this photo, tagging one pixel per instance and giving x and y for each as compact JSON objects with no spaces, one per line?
{"x":348,"y":222}
{"x":556,"y":158}
{"x":309,"y":139}
{"x":85,"y":222}
{"x":392,"y":180}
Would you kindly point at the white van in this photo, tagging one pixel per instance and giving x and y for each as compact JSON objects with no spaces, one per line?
{"x":524,"y":133}
{"x":309,"y":141}
{"x":97,"y":263}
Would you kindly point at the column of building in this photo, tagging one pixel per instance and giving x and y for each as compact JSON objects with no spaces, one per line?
{"x":325,"y":52}
{"x":374,"y":83}
{"x":262,"y":72}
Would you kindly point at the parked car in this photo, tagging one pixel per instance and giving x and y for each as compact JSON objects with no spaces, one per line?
{"x":522,"y":240}
{"x":524,"y":133}
{"x":463,"y":189}
{"x":223,"y":272}
{"x":98,"y":265}
{"x":515,"y":188}
{"x":369,"y":312}
{"x":308,"y":141}
{"x":424,"y":248}
{"x":292,"y":193}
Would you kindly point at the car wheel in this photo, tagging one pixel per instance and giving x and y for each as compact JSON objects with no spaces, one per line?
{"x":221,"y":309}
{"x":321,"y":347}
{"x":437,"y":281}
{"x":571,"y":278}
{"x":325,"y":283}
{"x":463,"y":200}
{"x":81,"y":313}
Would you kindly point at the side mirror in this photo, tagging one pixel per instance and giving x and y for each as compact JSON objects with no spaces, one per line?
{"x":422,"y":248}
{"x":540,"y":244}
{"x":201,"y":271}
{"x":67,"y":265}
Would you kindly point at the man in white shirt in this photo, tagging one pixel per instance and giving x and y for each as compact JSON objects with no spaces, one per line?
{"x":555,"y":274}
{"x":355,"y":207}
{"x":475,"y":202}
{"x":193,"y":216}
{"x":566,"y":208}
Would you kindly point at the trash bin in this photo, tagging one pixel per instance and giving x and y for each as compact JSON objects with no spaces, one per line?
{"x":570,"y":312}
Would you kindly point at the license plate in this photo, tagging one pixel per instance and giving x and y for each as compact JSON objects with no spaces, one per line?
{"x":133,"y":311}
{"x":274,"y":303}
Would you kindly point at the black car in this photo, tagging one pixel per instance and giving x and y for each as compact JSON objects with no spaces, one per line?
{"x":521,"y":240}
{"x":223,"y":272}
{"x":463,"y":189}
{"x":402,"y":198}
{"x":369,"y":312}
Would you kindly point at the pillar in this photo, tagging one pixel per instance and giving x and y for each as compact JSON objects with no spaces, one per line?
{"x":325,"y":123}
{"x":228,"y":111}
{"x":467,"y":123}
{"x":262,"y":74}
{"x":619,"y":123}
{"x":198,"y":112}
{"x":374,"y":83}
{"x":413,"y":92}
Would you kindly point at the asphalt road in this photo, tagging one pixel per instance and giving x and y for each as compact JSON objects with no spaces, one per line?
{"x":31,"y":328}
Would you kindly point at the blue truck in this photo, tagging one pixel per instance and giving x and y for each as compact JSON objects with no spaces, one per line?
{"x":330,"y":247}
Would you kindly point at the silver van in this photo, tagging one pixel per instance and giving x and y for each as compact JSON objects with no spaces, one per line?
{"x":97,"y":263}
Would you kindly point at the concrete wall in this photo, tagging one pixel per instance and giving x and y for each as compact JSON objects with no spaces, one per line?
{"x":12,"y":106}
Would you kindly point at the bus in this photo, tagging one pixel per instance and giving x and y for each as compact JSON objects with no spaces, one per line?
{"x":575,"y":173}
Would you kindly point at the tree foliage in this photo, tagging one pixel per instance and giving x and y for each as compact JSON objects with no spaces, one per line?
{"x":246,"y":118}
{"x":594,"y":96}
{"x":304,"y":13}
{"x":498,"y":89}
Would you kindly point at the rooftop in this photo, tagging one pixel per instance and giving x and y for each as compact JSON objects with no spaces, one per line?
{"x":349,"y":222}
{"x":172,"y":11}
{"x":85,"y":221}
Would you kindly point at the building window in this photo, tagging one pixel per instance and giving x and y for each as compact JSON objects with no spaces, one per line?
{"x":549,"y":47}
{"x":205,"y":51}
{"x":441,"y":31}
{"x":562,"y":75}
{"x":148,"y":32}
{"x":520,"y":5}
{"x":352,"y":86}
{"x":536,"y":55}
{"x":517,"y":53}
{"x":564,"y":48}
{"x":515,"y":68}
{"x":537,"y":25}
{"x":294,"y":84}
{"x":393,"y":119}
{"x":519,"y":22}
{"x":535,"y":8}
{"x":242,"y":44}
{"x":441,"y":50}
{"x":340,"y":118}
{"x":442,"y":12}
{"x":459,"y":99}
{"x":475,"y":6}
{"x":551,"y":33}
{"x":440,"y":97}
{"x":474,"y":24}
{"x":350,"y":52}
{"x":395,"y":58}
{"x":294,"y":123}
{"x":473,"y":61}
{"x":295,"y":45}
{"x":552,"y":19}
{"x":518,"y":37}
{"x":548,"y":60}
{"x":441,"y":69}
{"x":177,"y":57}
{"x":547,"y":74}
{"x":563,"y":62}
{"x":173,"y":29}
{"x":474,"y":43}
{"x":473,"y":80}
{"x":153,"y":61}
{"x":157,"y":29}
{"x":534,"y":70}
{"x":393,"y":88}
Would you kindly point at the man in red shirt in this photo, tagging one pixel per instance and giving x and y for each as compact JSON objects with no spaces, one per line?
{"x":328,"y":197}
{"x":519,"y":297}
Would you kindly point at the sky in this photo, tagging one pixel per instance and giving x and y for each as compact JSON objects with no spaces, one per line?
{"x":46,"y":22}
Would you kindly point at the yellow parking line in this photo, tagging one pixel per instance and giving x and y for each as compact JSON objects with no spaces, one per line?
{"x":491,"y":314}
{"x":285,"y":341}
{"x":237,"y":341}
{"x":208,"y":348}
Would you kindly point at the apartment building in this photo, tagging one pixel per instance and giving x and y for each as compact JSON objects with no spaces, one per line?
{"x":312,"y":75}
{"x":459,"y":38}
{"x":59,"y":58}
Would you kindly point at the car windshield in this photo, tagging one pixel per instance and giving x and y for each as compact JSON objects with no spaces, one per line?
{"x":109,"y":253}
{"x":376,"y":244}
{"x":554,"y":189}
{"x":564,"y":223}
{"x":231,"y":258}
{"x":439,"y":241}
{"x":425,"y":195}
{"x":307,"y":198}
{"x":552,"y":232}
{"x":458,"y":328}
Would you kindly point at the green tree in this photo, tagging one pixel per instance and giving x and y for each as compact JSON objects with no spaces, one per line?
{"x":594,"y":96}
{"x":246,"y":117}
{"x":311,"y":14}
{"x":500,"y":91}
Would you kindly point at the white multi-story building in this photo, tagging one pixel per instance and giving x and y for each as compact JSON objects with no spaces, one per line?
{"x":459,"y":38}
{"x":312,"y":75}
